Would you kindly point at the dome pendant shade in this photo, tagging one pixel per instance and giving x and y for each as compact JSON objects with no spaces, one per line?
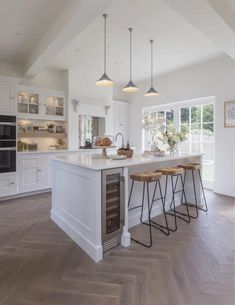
{"x":130,"y":87}
{"x":104,"y":81}
{"x":152,"y":92}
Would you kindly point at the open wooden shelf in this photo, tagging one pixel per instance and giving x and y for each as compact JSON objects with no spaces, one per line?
{"x":41,"y":134}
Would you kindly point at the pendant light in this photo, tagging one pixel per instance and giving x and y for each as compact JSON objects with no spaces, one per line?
{"x":104,"y":81}
{"x":130,"y":87}
{"x":151,"y":91}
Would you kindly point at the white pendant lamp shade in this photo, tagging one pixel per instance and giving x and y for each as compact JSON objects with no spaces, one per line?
{"x":152,"y":91}
{"x":130,"y":87}
{"x":104,"y":81}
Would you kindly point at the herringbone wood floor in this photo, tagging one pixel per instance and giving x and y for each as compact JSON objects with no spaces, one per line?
{"x":39,"y":264}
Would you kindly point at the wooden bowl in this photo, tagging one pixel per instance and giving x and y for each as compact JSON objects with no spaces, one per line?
{"x":128,"y":153}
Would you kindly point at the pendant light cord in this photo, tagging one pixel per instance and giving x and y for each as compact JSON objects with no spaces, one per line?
{"x":105,"y":17}
{"x":151,"y":41}
{"x":130,"y":29}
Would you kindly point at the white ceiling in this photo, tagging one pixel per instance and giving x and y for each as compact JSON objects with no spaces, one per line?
{"x":23,"y":23}
{"x":177,"y":42}
{"x":62,"y":34}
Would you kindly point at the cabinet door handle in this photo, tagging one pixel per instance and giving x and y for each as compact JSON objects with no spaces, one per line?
{"x":39,"y":170}
{"x":12,"y":182}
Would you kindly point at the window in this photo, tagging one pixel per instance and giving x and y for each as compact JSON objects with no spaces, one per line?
{"x":196,"y":118}
{"x":198,"y":123}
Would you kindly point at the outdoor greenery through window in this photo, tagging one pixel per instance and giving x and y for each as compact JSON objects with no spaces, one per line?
{"x":197,"y":121}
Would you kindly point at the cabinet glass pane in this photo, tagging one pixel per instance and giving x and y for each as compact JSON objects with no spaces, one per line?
{"x":54,"y":106}
{"x":28,"y":103}
{"x":22,"y":108}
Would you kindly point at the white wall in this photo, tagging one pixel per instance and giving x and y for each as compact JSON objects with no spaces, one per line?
{"x":93,"y":101}
{"x":213,"y":78}
{"x":51,"y":79}
{"x":47,"y":78}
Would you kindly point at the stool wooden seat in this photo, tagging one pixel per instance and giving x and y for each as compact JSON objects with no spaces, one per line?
{"x":171,"y":171}
{"x":190,"y":166}
{"x":146,"y":176}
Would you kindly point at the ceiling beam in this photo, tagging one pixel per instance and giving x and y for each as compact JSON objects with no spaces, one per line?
{"x":213,"y":18}
{"x":76,"y":16}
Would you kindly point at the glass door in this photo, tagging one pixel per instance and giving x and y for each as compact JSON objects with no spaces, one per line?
{"x":54,"y":106}
{"x":28,"y":103}
{"x":113,"y":202}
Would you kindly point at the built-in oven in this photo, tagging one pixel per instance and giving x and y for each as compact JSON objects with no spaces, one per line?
{"x":7,"y":143}
{"x":7,"y":127}
{"x":7,"y":156}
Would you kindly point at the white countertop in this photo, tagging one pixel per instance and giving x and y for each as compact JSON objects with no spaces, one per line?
{"x":60,"y":151}
{"x":96,"y":162}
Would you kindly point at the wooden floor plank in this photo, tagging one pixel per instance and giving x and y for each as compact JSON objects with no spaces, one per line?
{"x":40,"y":264}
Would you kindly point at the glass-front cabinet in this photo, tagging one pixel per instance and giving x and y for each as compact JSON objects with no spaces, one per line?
{"x":54,"y":106}
{"x":38,"y":103}
{"x":28,"y":103}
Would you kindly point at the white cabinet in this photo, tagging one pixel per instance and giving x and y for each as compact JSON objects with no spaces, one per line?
{"x":41,"y":104}
{"x":29,"y":104}
{"x":120,"y":120}
{"x":8,"y":184}
{"x":7,"y":98}
{"x":31,"y":172}
{"x":54,"y":105}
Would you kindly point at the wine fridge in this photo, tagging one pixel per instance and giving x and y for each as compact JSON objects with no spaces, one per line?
{"x":113,"y":207}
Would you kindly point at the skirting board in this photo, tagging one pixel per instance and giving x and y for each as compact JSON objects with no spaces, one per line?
{"x":96,"y":253}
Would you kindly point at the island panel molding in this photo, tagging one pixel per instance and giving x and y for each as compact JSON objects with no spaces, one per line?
{"x":80,"y":215}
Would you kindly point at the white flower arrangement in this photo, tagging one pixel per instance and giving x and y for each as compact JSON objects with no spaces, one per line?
{"x":172,"y":138}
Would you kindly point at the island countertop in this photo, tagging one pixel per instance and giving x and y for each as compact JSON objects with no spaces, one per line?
{"x":95,"y":162}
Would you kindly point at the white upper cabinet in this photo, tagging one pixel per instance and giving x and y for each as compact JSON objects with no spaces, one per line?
{"x":54,"y":105}
{"x":7,"y":98}
{"x":35,"y":103}
{"x":29,"y":102}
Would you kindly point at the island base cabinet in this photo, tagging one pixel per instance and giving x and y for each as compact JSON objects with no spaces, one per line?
{"x":8,"y":184}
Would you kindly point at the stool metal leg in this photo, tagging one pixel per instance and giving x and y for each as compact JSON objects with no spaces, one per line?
{"x":203,"y":193}
{"x":163,"y":229}
{"x":195,"y":194}
{"x":129,"y":200}
{"x":172,"y":202}
{"x":183,"y":195}
{"x":141,"y":218}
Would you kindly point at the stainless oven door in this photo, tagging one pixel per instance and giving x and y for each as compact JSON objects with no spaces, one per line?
{"x":7,"y":131}
{"x":7,"y":160}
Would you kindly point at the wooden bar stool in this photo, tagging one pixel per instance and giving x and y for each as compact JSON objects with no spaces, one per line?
{"x":178,"y":174}
{"x":195,"y":167}
{"x":146,"y":178}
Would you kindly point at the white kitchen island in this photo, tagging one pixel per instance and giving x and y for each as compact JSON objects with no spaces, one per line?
{"x":77,"y":200}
